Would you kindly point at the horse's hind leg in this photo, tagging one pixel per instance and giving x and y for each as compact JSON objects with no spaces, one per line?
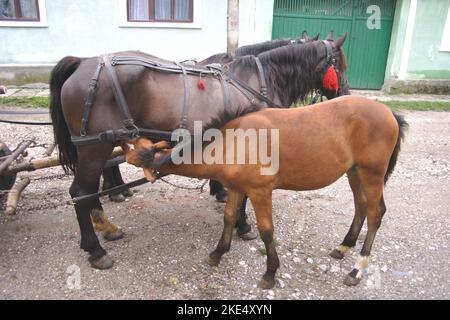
{"x":262,"y":202}
{"x":217,"y":189}
{"x":87,"y":181}
{"x":102,"y":224}
{"x":372,"y":186}
{"x":230,"y":218}
{"x":244,"y":230}
{"x":360,"y":202}
{"x":112,"y":178}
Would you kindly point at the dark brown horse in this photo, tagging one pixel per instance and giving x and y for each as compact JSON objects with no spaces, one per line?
{"x":316,"y":146}
{"x":156,"y":101}
{"x":112,"y":176}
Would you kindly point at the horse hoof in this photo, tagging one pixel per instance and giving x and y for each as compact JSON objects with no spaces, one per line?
{"x":351,"y":281}
{"x":114,"y":235}
{"x":117,"y":198}
{"x":248,"y":236}
{"x":103,"y":263}
{"x":212,"y":262}
{"x":266,"y":284}
{"x":336,"y":254}
{"x":127,"y":193}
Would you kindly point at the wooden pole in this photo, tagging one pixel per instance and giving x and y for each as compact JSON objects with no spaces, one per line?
{"x":47,"y":162}
{"x":13,"y":156}
{"x":233,"y":26}
{"x":48,"y":152}
{"x":14,"y":196}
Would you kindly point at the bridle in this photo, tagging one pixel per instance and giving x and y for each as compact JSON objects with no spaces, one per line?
{"x":331,"y":67}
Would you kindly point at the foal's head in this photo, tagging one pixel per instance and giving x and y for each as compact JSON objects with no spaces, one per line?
{"x":331,"y":78}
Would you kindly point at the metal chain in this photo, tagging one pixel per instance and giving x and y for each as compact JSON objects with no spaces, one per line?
{"x":201,"y":188}
{"x":56,"y":176}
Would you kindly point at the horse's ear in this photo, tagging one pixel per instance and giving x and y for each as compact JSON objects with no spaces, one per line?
{"x":330,"y":35}
{"x":305,"y":35}
{"x":341,"y":40}
{"x":316,"y":37}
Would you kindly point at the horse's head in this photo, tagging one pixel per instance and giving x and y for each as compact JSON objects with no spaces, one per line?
{"x":331,"y":77}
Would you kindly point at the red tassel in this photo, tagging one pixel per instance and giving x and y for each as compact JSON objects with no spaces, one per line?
{"x":202,"y":85}
{"x":330,"y":80}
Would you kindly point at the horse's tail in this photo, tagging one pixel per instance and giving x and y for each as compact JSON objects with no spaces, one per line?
{"x":60,"y":73}
{"x":402,"y":127}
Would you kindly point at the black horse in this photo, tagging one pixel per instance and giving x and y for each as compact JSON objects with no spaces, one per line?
{"x":156,"y":99}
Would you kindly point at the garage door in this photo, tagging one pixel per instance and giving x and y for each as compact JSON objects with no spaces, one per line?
{"x":368,"y":22}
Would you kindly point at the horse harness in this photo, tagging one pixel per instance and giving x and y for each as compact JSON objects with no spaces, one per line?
{"x":130,"y":130}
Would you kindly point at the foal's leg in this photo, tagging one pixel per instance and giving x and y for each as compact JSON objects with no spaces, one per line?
{"x":86,"y":181}
{"x":262,"y":202}
{"x":244,"y":230}
{"x":372,"y":186}
{"x":360,"y":202}
{"x":230,"y":217}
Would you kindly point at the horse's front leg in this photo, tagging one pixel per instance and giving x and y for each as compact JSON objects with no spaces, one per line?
{"x":87,"y":181}
{"x":230,"y":218}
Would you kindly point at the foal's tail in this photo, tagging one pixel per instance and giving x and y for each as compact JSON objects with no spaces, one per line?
{"x":60,"y":73}
{"x":402,"y":126}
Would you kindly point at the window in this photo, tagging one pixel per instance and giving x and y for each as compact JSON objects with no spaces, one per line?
{"x":19,"y":10}
{"x":160,"y":10}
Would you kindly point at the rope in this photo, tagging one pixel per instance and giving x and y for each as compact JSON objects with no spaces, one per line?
{"x":23,"y":112}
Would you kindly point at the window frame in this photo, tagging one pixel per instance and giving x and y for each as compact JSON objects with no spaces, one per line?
{"x":18,"y":12}
{"x":41,"y":20}
{"x":152,"y":17}
{"x":445,"y":42}
{"x":194,"y":23}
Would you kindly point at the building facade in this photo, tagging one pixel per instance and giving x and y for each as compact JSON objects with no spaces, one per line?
{"x":399,"y":45}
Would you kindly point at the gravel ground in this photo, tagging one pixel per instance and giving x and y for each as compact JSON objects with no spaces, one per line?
{"x":169,"y":233}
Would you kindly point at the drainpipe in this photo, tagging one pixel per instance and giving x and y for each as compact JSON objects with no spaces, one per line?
{"x":233,"y":25}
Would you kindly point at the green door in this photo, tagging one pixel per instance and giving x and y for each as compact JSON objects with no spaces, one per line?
{"x":367,"y":45}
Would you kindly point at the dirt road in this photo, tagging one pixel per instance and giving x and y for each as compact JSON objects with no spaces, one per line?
{"x":169,"y":233}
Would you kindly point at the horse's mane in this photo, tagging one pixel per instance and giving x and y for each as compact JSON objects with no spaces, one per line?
{"x":290,"y":70}
{"x":217,"y":58}
{"x":256,"y":49}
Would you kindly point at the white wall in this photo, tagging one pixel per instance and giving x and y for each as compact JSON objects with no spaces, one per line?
{"x":255,"y":21}
{"x":89,"y":28}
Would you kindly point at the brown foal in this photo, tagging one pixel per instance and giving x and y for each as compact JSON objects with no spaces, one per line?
{"x":317,"y":145}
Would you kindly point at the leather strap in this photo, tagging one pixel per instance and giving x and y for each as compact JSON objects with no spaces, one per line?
{"x":89,"y":102}
{"x":121,"y":135}
{"x":118,"y":94}
{"x":262,"y":78}
{"x":184,"y":118}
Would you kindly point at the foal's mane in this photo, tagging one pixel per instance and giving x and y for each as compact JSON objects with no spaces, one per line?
{"x":227,"y":115}
{"x":256,"y":49}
